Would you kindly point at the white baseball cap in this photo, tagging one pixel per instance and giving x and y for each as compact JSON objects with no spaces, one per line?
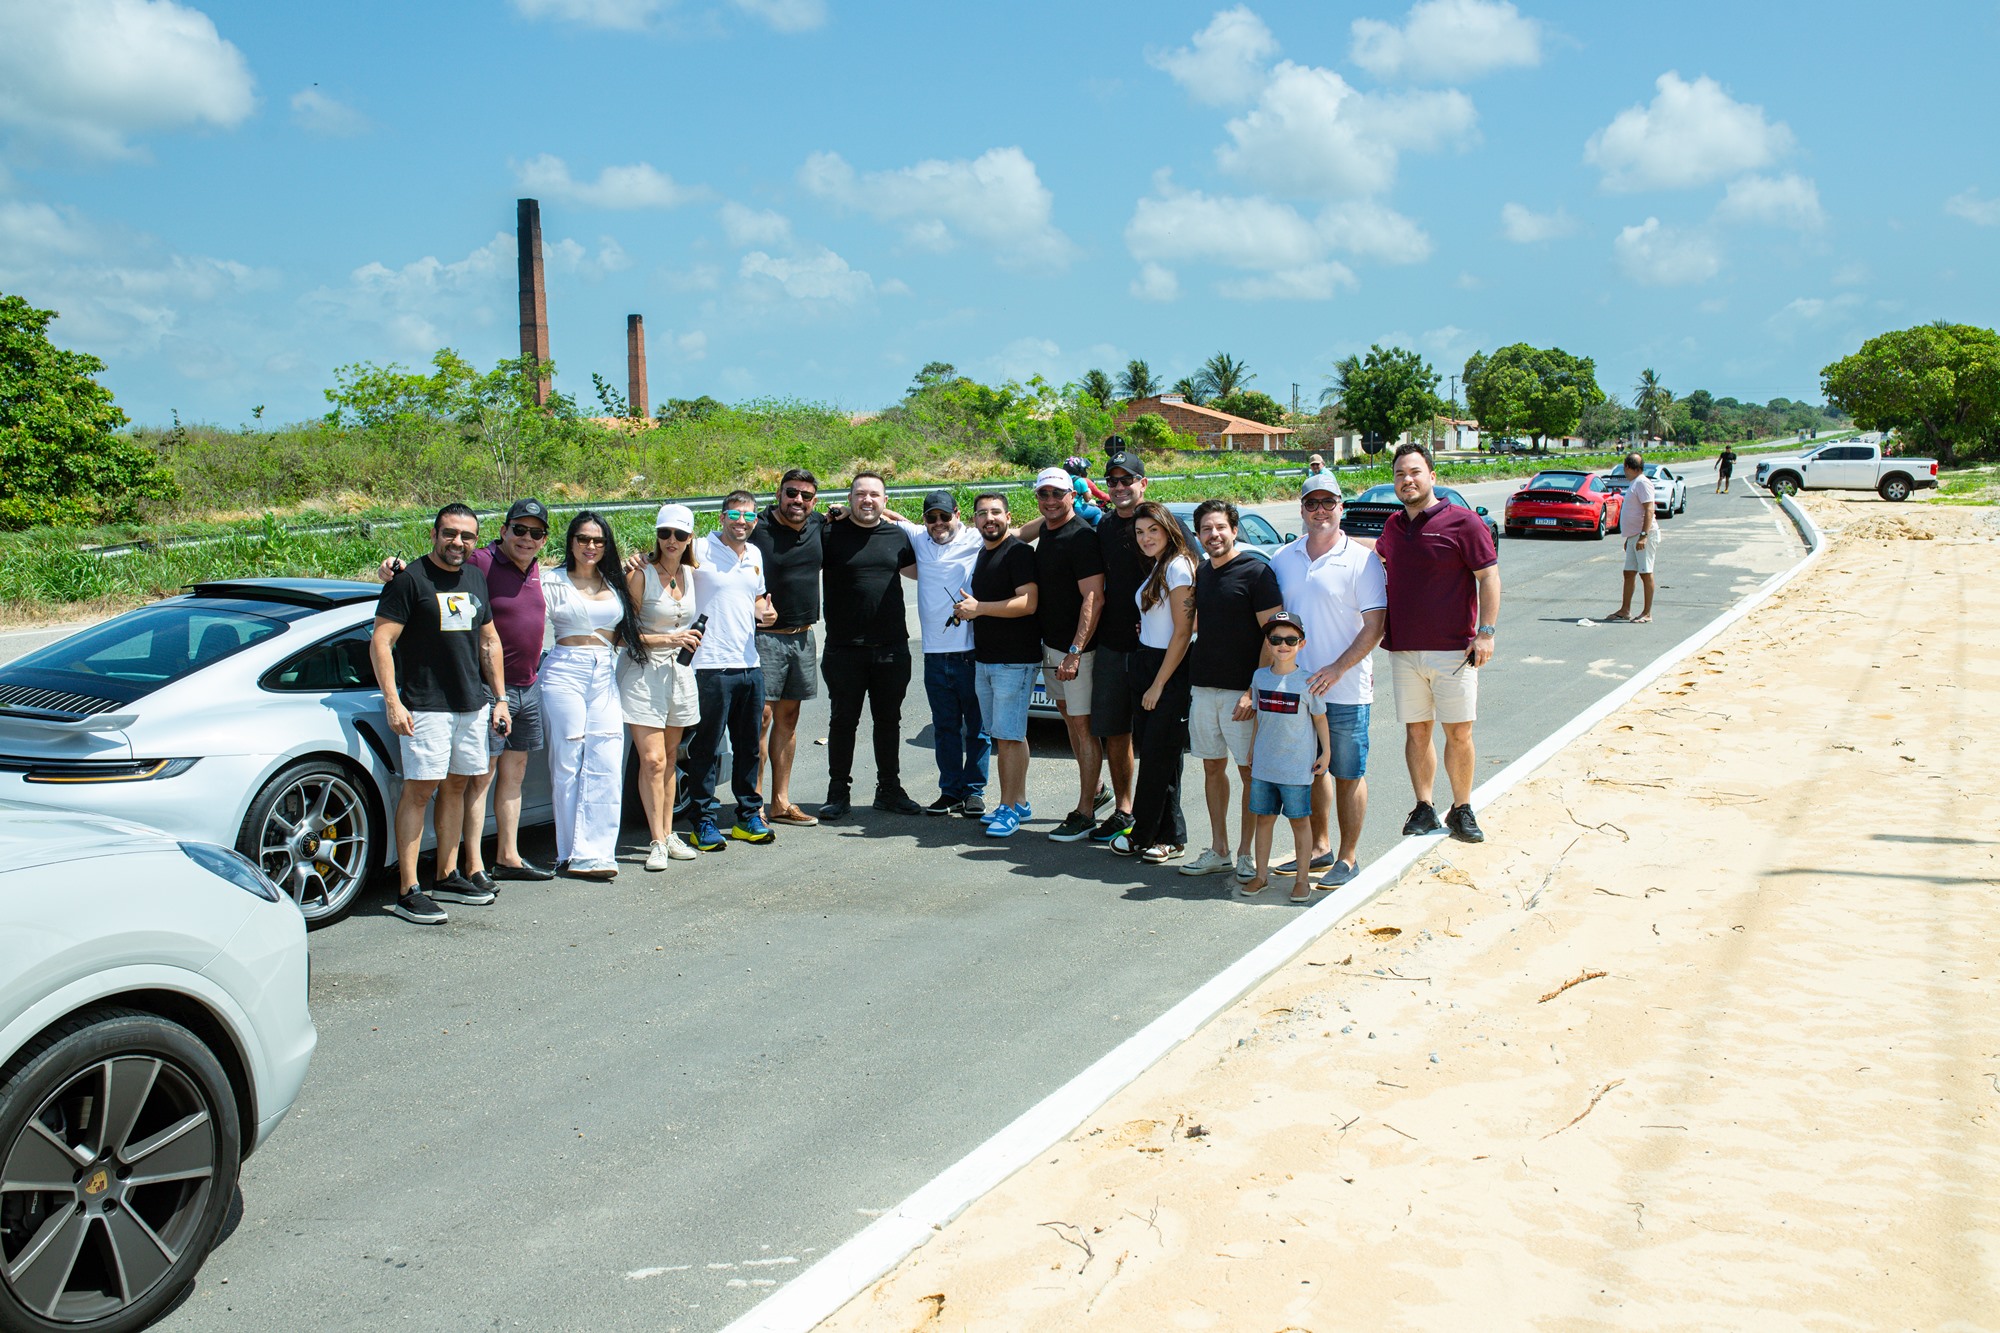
{"x":678,"y":517}
{"x":1052,"y":476}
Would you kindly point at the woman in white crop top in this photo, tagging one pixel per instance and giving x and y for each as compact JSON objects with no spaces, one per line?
{"x":659,"y":692}
{"x":1157,"y":676}
{"x":592,"y":617}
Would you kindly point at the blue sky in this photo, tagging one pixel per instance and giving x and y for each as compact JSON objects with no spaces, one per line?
{"x":812,"y":198}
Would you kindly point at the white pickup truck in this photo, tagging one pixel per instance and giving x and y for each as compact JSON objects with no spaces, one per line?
{"x":1847,"y":465}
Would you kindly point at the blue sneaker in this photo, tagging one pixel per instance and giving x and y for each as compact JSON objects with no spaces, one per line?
{"x":1021,"y":812}
{"x":708,"y":838}
{"x":1005,"y":821}
{"x":752,"y":828}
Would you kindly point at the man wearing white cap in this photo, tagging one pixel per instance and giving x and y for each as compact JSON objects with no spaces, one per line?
{"x":946,"y":550}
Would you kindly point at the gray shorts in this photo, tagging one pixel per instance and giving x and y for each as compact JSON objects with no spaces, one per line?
{"x":524,"y":732}
{"x":791,"y":667}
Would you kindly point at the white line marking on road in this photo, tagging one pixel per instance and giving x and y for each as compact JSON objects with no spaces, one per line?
{"x":641,"y":1274}
{"x":1543,"y":661}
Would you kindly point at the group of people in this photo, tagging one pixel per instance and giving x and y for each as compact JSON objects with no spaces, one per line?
{"x":1149,"y":650}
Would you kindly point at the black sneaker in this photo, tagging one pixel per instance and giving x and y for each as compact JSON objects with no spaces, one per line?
{"x":416,"y":905}
{"x":484,"y":881}
{"x":527,"y":870}
{"x":1462,"y":825}
{"x":1076,"y":826}
{"x":897,"y":802}
{"x":1422,"y":820}
{"x":972,"y":807}
{"x":456,"y":888}
{"x":945,"y":805}
{"x":1102,"y":799}
{"x":1115,"y":823}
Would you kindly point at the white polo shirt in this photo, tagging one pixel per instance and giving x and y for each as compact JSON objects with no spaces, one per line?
{"x":726,"y":589}
{"x":944,"y":570}
{"x":1329,"y":596}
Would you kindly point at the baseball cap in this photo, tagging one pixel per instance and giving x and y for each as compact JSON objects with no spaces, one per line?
{"x":530,"y":508}
{"x":1131,"y":463}
{"x":1052,"y":476}
{"x":1285,"y":618}
{"x":940,"y":499}
{"x":1320,"y":481}
{"x":678,"y":517}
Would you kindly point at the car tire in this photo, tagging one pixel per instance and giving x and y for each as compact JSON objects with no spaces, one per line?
{"x":109,"y":1083}
{"x":313,"y":807}
{"x":1603,"y":524}
{"x":1784,"y":484}
{"x":1894,"y":489}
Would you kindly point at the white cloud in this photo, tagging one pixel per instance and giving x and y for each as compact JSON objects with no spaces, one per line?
{"x":1691,"y":134}
{"x":698,"y":278}
{"x":996,"y":200}
{"x":1156,"y":282}
{"x":1660,"y":256}
{"x":1373,"y":231}
{"x":1312,"y":282}
{"x":1775,"y":201}
{"x":818,"y":276}
{"x":568,"y":256}
{"x":1979,"y":212}
{"x":1850,"y":275}
{"x":427,"y":303}
{"x":640,"y":185}
{"x":1523,"y":226}
{"x":1245,"y":233}
{"x":316,"y":113}
{"x":1227,"y":62}
{"x":1442,"y":341}
{"x":1807,"y":312}
{"x":626,"y":15}
{"x":1445,"y":41}
{"x":1311,"y":133}
{"x":745,"y":226}
{"x":1026,"y":357}
{"x":91,"y":73}
{"x":787,"y":15}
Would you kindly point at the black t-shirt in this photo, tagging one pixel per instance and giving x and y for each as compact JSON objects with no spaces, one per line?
{"x":1726,"y":460}
{"x":437,"y":656}
{"x":1063,"y":556}
{"x":1228,"y":640}
{"x":996,"y":575}
{"x":1125,"y":570}
{"x":864,"y":586}
{"x":792,"y":561}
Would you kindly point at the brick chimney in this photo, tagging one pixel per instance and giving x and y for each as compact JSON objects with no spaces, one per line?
{"x":635,"y":366}
{"x":534,"y":297}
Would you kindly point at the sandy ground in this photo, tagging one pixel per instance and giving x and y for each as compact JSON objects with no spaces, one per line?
{"x":1702,"y":1037}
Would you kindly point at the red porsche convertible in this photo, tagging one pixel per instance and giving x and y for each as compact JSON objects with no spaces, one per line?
{"x":1562,"y":501}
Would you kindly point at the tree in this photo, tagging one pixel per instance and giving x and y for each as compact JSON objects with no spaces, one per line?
{"x":1151,"y":431}
{"x":1701,"y":404}
{"x":1606,"y":421}
{"x":935,"y":374}
{"x":1192,"y":389}
{"x":1541,"y":391}
{"x":1222,"y":375}
{"x":60,"y":460}
{"x":1096,"y":386}
{"x":1137,"y":381}
{"x":1938,"y":385}
{"x":1386,"y":392}
{"x":1252,"y":406}
{"x":1651,"y":399}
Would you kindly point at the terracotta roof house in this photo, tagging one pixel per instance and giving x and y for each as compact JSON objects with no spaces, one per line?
{"x":1210,"y":428}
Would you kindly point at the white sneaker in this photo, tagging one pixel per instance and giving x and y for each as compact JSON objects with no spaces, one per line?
{"x":1246,"y":867}
{"x":679,"y":850}
{"x":1210,"y":862}
{"x":657,"y":856}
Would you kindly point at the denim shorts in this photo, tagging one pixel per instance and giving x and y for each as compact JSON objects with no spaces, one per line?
{"x":524,"y":721}
{"x":1347,"y":731}
{"x":1281,"y":798}
{"x":1004,"y":689}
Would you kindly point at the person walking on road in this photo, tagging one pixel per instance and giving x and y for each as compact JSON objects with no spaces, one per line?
{"x":437,"y":660}
{"x":1288,"y":752}
{"x":729,"y":684}
{"x":1335,"y":587}
{"x":1234,"y":594}
{"x":1444,"y":608}
{"x":946,"y":550}
{"x":1639,"y":525}
{"x":1069,"y":577}
{"x":791,"y":534}
{"x":1000,"y":604}
{"x":657,"y":688}
{"x":1157,"y":677}
{"x":867,"y":661}
{"x":1725,"y":465}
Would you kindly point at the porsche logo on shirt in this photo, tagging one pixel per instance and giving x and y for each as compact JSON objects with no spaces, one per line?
{"x":1277,"y":701}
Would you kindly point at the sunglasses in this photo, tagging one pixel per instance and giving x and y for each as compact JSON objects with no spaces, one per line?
{"x":671,"y":534}
{"x":1121,"y":481}
{"x":794,"y":493}
{"x":587,"y":541}
{"x":452,"y":535}
{"x":1321,"y":502}
{"x":1049,"y":492}
{"x":740,"y":515}
{"x":1284,"y":640}
{"x":937,"y":516}
{"x":523,"y":530}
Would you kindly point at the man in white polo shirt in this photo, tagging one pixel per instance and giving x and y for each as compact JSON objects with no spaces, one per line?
{"x":946,"y":551}
{"x":1339,"y":591}
{"x":1639,"y":525}
{"x":730,"y":594}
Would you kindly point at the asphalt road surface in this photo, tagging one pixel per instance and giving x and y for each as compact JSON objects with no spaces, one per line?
{"x":644,"y":1105}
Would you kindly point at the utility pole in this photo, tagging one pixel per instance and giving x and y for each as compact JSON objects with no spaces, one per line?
{"x":1295,"y":400}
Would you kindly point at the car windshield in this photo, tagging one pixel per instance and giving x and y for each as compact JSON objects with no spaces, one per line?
{"x":145,"y":649}
{"x":1253,"y":529}
{"x":1452,"y":497}
{"x":1559,"y":481}
{"x":1613,"y":481}
{"x":1377,"y":495}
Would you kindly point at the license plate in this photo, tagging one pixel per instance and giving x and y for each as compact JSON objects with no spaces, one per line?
{"x":1039,"y":699}
{"x":1549,"y":521}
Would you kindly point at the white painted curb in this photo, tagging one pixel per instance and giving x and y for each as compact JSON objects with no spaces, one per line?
{"x":847,"y":1271}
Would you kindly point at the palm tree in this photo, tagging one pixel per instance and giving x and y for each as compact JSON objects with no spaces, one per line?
{"x":1651,"y":399}
{"x":1222,"y":375}
{"x":1137,"y":381}
{"x":1192,"y":389}
{"x":1096,"y":386}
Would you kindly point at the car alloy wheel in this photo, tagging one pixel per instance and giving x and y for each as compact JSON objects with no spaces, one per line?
{"x":119,"y":1148}
{"x":312,"y":831}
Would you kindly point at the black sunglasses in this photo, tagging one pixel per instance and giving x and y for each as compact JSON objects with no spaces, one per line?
{"x":794,"y":493}
{"x":671,"y":534}
{"x":1284,"y":640}
{"x":523,"y":530}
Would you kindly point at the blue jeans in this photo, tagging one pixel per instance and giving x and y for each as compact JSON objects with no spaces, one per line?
{"x":956,"y":732}
{"x":730,"y":697}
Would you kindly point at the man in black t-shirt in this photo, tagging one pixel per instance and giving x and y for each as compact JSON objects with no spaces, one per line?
{"x":437,"y":659}
{"x":1125,"y":569}
{"x":867,"y":661}
{"x":1235,"y":593}
{"x":792,"y":536}
{"x":1069,"y":573}
{"x":1006,"y":652}
{"x":1725,"y":464}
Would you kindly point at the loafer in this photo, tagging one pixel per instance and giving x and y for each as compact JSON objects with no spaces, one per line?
{"x":1324,"y":861}
{"x":1460,"y":823}
{"x":972,"y":807}
{"x":456,"y":888}
{"x":527,"y":870}
{"x":1339,"y":875}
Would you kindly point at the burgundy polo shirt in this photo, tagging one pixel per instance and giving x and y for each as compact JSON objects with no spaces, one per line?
{"x":518,"y":612}
{"x":1433,"y":598}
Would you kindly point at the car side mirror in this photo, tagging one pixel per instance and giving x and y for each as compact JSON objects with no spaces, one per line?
{"x":1291,"y":536}
{"x":1481,"y":511}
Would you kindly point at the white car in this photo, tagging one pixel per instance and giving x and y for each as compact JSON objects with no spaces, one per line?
{"x":153,"y":1032}
{"x":1670,"y":489}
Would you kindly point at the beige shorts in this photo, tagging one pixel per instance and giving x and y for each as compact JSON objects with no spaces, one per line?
{"x":1213,"y":731}
{"x":1636,"y":560}
{"x":660,"y":694}
{"x":1072,"y":695}
{"x":446,"y":745}
{"x":1440,"y":687}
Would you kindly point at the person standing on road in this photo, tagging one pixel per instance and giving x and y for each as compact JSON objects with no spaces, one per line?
{"x":946,"y":551}
{"x":1000,"y":604}
{"x":867,"y":661}
{"x":1158,"y":680}
{"x":437,"y":660}
{"x":1725,"y":464}
{"x":1234,"y":595}
{"x":1288,"y":752}
{"x":1069,"y":578}
{"x":1640,"y":527}
{"x":1444,"y":608}
{"x":657,"y":689}
{"x":729,"y":684}
{"x":1335,"y":587}
{"x":791,"y":534}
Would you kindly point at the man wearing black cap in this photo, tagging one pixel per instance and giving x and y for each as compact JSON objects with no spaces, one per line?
{"x":867,"y":660}
{"x":1118,"y":632}
{"x":946,"y":550}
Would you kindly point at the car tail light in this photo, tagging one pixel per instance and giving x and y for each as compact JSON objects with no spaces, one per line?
{"x":1933,"y":469}
{"x":102,"y":770}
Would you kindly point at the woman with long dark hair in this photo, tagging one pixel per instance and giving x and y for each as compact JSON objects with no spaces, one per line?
{"x":657,"y":687}
{"x":1157,"y":676}
{"x":591,"y":614}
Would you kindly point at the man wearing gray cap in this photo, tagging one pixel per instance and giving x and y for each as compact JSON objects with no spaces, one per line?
{"x":946,"y":550}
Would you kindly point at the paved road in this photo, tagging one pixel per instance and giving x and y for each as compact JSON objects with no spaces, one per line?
{"x":643,"y":1105}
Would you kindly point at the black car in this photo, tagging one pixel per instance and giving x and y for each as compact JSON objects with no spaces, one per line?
{"x":1365,"y":514}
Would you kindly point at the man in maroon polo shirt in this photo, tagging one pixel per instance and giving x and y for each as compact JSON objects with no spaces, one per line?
{"x":1444,"y":602}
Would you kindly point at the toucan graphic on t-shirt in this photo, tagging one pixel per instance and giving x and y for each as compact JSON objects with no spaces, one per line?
{"x":457,"y":610}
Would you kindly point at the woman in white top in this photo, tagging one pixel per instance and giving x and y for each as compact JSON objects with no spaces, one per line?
{"x":1158,"y":678}
{"x":658,"y":689}
{"x":590,"y":612}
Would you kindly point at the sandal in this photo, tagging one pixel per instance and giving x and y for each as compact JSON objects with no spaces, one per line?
{"x":1615,"y":618}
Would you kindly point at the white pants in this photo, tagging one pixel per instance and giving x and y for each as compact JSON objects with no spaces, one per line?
{"x":586,"y":740}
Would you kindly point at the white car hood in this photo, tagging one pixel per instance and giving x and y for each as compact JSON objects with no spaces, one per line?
{"x":32,"y":835}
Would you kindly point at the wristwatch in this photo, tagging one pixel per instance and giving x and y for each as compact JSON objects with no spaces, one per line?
{"x":1075,"y":650}
{"x":1487,"y":630}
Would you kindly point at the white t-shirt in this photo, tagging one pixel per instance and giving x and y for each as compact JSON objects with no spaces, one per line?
{"x":1637,"y":506}
{"x":944,"y":570}
{"x":1156,"y":626}
{"x":1329,"y":596}
{"x":726,"y":588}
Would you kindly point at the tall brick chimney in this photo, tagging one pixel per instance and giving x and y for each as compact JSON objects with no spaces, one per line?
{"x":635,"y":366}
{"x":534,"y":297}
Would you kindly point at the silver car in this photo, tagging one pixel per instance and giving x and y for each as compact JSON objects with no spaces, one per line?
{"x":243,"y":713}
{"x":1670,"y":489}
